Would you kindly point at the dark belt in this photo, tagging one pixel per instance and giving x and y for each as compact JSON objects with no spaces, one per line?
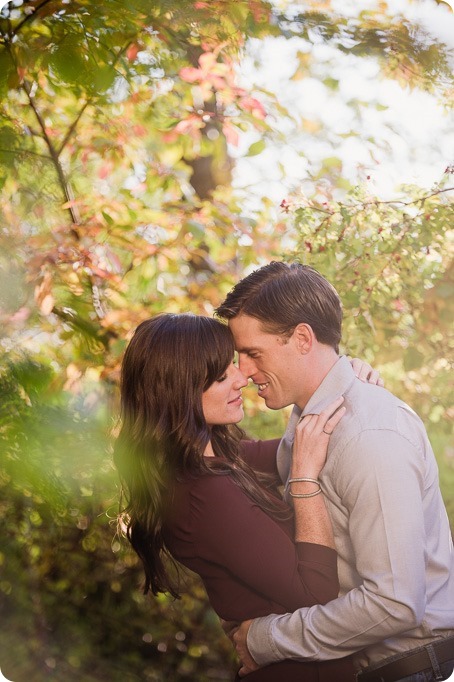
{"x":416,"y":661}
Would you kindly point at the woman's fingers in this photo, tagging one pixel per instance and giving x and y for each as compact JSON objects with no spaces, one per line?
{"x":324,"y":422}
{"x":375,"y":378}
{"x":304,"y":420}
{"x":312,"y":434}
{"x":360,"y":368}
{"x":365,"y":372}
{"x":371,"y":377}
{"x":333,"y":421}
{"x":331,"y":416}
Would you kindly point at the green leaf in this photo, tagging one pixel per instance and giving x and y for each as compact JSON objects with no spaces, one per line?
{"x":109,"y":220}
{"x":197,"y":229}
{"x":331,"y":83}
{"x":68,"y":61}
{"x":256,"y":148}
{"x":8,"y":138}
{"x":6,"y":69}
{"x":102,"y":78}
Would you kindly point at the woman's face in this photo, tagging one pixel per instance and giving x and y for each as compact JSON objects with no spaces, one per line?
{"x":222,"y":402}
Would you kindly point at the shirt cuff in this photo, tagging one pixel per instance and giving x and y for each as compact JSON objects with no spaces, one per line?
{"x":260,"y":642}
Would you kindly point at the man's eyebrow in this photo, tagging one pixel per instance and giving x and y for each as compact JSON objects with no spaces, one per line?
{"x":246,"y":349}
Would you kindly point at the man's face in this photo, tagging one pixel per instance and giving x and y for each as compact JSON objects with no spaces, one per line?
{"x":272,"y":362}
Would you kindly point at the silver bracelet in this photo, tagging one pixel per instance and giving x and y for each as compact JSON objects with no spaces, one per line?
{"x":311,"y":480}
{"x":304,"y":479}
{"x":317,"y":492}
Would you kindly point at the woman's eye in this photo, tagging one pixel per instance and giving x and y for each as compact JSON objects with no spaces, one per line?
{"x":223,"y":378}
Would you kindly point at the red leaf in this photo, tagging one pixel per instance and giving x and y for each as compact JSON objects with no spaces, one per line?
{"x":231,"y":134}
{"x":104,"y":170}
{"x":190,"y":74}
{"x":132,"y":52}
{"x":254,"y":106}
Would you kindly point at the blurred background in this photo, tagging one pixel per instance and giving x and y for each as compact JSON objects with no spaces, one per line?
{"x":152,"y":152}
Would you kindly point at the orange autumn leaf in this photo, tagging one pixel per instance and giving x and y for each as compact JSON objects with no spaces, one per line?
{"x":132,"y":52}
{"x":231,"y":134}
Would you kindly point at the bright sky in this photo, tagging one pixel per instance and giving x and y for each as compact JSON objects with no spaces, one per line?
{"x":413,"y":135}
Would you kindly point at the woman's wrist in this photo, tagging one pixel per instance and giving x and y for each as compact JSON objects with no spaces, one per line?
{"x":304,"y":486}
{"x":305,"y":472}
{"x":297,"y":487}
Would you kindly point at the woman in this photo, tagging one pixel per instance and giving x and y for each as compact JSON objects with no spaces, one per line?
{"x":197,"y":492}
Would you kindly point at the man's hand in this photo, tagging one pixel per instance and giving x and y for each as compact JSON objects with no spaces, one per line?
{"x":239,"y":638}
{"x":229,"y":626}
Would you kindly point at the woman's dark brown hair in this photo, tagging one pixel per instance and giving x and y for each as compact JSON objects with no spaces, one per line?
{"x":170,"y":361}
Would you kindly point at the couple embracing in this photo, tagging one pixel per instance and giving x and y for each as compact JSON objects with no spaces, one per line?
{"x":348,"y":574}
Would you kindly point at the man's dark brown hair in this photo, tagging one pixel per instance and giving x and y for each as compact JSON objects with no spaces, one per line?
{"x":282,"y":295}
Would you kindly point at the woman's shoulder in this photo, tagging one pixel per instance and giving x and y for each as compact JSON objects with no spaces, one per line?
{"x":200,"y":500}
{"x":205,"y":495}
{"x":205,"y":486}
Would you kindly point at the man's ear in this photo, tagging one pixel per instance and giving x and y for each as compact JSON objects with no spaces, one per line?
{"x":304,"y":337}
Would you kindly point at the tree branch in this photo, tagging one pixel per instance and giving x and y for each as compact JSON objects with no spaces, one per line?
{"x":16,"y":152}
{"x":407,"y":203}
{"x":362,"y":205}
{"x":67,"y":192}
{"x":66,"y":189}
{"x":28,"y":17}
{"x":72,"y":129}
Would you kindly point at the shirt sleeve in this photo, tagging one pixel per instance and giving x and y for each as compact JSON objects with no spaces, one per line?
{"x":261,"y":455}
{"x":233,"y":531}
{"x":383,"y":495}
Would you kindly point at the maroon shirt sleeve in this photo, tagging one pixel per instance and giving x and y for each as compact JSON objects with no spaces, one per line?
{"x":261,"y":454}
{"x":231,"y":530}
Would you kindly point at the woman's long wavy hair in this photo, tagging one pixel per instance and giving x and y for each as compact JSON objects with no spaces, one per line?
{"x":170,"y":361}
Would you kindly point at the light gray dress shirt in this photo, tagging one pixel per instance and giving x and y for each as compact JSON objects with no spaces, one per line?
{"x":395,"y":550}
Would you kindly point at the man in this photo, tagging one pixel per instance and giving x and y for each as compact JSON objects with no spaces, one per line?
{"x":395,"y":610}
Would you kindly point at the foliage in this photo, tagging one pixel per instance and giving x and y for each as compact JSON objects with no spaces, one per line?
{"x":57,"y":496}
{"x":392,"y":263}
{"x":406,"y":50}
{"x":117,"y":126}
{"x":112,"y":135}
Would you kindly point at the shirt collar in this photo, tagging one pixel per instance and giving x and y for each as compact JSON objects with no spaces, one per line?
{"x":336,"y":383}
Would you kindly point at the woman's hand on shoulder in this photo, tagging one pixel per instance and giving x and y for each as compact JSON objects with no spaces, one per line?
{"x":312,"y":436}
{"x":365,"y":372}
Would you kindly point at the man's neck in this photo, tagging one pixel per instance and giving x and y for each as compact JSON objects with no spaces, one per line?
{"x":318,"y":365}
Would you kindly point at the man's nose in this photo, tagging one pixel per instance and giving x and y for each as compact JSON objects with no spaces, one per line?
{"x":246,"y":365}
{"x":240,"y":380}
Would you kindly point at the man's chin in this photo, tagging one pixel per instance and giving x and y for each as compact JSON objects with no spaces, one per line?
{"x":272,"y":405}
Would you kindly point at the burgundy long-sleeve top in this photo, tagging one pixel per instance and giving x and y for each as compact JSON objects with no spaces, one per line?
{"x":248,"y":560}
